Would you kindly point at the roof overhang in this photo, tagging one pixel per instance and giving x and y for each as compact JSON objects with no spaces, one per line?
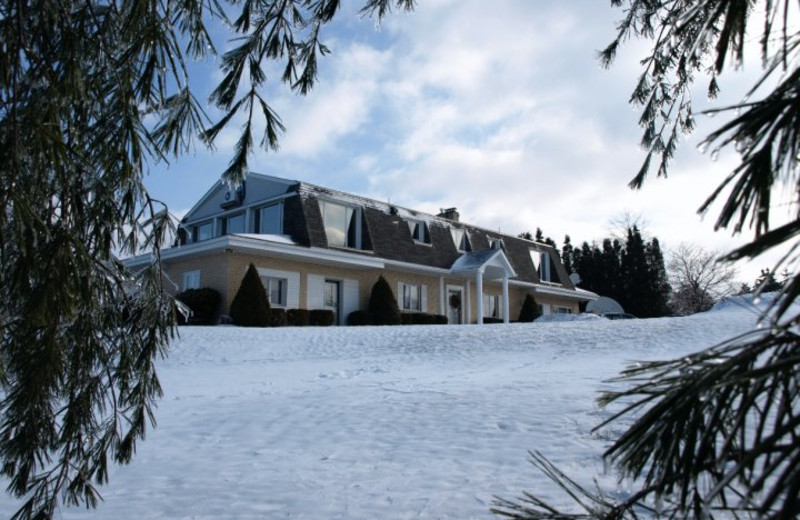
{"x":251,"y":244}
{"x":492,"y":263}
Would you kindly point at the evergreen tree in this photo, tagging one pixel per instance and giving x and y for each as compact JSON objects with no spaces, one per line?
{"x":567,"y":255}
{"x":93,"y":93}
{"x":714,"y":433}
{"x":383,"y":304}
{"x":766,"y":282}
{"x":250,"y":306}
{"x":529,"y":311}
{"x":659,"y":287}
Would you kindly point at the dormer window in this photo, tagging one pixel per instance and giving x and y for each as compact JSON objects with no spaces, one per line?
{"x":495,"y":243}
{"x":460,"y":239}
{"x":342,"y":224}
{"x":541,"y":262}
{"x":419,"y":231}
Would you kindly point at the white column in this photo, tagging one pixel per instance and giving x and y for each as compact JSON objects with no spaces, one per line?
{"x":505,"y":299}
{"x":479,"y":295}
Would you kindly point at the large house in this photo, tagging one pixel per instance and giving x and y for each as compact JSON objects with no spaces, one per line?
{"x":317,"y":248}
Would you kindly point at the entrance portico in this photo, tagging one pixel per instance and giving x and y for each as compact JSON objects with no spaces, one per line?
{"x":491,"y":264}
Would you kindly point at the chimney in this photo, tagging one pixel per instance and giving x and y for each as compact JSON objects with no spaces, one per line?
{"x":449,"y":214}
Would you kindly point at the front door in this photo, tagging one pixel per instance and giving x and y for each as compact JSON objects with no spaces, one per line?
{"x":331,"y":298}
{"x":455,"y":305}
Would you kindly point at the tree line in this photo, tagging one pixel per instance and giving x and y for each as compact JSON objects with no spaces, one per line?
{"x":648,"y":283}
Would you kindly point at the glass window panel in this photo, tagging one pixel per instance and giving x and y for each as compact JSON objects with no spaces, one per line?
{"x":205,"y":231}
{"x":272,"y":220}
{"x":236,"y":224}
{"x":340,"y":224}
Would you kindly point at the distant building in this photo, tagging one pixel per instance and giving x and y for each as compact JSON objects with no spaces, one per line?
{"x":317,"y":248}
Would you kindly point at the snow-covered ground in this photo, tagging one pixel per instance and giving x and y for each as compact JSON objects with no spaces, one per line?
{"x":382,"y":422}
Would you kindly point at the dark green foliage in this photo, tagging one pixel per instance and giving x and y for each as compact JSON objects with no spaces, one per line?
{"x":529,"y":311}
{"x":297,"y":317}
{"x":277,"y":317}
{"x":422,"y":318}
{"x":321,"y":317}
{"x":250,"y":306}
{"x":566,"y":255}
{"x":632,"y":274}
{"x":203,"y":302}
{"x":766,"y":282}
{"x":357,"y":318}
{"x":93,"y":93}
{"x":490,"y":319}
{"x":383,"y":304}
{"x":715,"y":434}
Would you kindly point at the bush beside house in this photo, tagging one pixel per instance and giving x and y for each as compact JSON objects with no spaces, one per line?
{"x":203,"y":303}
{"x":250,"y":306}
{"x":529,"y":311}
{"x":383,"y":304}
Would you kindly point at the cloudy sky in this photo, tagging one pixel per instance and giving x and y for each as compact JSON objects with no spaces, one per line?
{"x":497,"y":108}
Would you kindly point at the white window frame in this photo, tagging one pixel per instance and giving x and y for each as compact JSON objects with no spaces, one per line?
{"x":460,"y":239}
{"x":354,"y":219}
{"x":563,"y":310}
{"x":190,"y":280}
{"x":419,"y":231}
{"x":542,"y":264}
{"x":283,"y":290}
{"x":196,"y":230}
{"x":492,"y":306}
{"x":407,"y":297}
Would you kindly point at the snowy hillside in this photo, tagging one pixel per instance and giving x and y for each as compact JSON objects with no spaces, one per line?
{"x":382,"y":422}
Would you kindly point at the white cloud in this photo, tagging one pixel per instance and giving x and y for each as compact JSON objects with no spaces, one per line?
{"x":498,"y":108}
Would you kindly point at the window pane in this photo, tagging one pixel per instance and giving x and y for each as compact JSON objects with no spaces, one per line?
{"x":458,"y":238}
{"x":236,"y":224}
{"x":272,"y":220}
{"x":205,"y":231}
{"x":335,"y":220}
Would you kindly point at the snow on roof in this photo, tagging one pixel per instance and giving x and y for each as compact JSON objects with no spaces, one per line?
{"x":281,"y":239}
{"x":473,"y":260}
{"x":389,"y":208}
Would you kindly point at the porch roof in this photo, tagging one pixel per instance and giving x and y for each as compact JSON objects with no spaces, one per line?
{"x":492,"y":262}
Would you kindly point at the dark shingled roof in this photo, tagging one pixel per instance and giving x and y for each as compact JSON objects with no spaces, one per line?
{"x":386,"y":234}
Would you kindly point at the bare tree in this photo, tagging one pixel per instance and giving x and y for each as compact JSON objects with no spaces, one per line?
{"x":698,"y":278}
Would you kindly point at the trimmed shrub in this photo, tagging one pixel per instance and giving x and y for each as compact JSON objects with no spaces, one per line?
{"x":489,"y":319}
{"x":321,"y":317}
{"x":250,"y":307}
{"x":297,"y":318}
{"x":277,"y":317}
{"x":529,"y":311}
{"x":383,"y":304}
{"x":203,"y":302}
{"x":357,"y":318}
{"x":422,"y":318}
